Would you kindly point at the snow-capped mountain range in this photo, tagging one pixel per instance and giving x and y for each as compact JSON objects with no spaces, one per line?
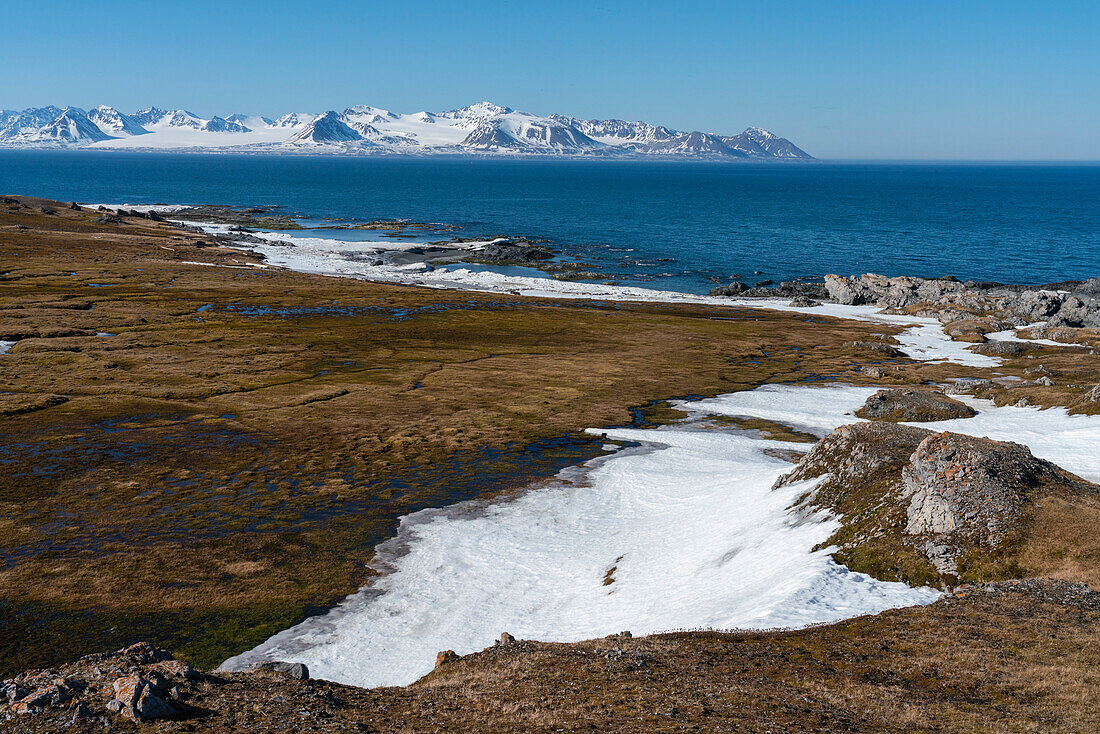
{"x":479,"y":129}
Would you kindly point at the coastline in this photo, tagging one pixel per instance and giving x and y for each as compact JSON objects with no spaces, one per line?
{"x":369,"y":401}
{"x":321,"y":639}
{"x":254,"y":362}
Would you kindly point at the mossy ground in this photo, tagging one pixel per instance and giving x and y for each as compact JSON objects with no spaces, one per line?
{"x":225,"y":461}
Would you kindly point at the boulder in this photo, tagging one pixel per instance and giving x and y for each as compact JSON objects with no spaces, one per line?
{"x":1001,"y":349}
{"x":127,"y":689}
{"x":151,"y":706}
{"x":909,"y":405}
{"x":973,"y":487}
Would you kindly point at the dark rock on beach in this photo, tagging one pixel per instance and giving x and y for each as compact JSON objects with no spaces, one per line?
{"x":808,"y":289}
{"x":512,"y":251}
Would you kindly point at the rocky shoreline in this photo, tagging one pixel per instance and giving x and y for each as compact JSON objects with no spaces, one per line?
{"x":996,"y":306}
{"x":974,"y":308}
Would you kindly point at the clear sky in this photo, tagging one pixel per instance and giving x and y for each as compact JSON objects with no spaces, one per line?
{"x":843,"y":79}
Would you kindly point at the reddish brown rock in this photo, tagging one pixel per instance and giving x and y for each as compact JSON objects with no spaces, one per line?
{"x":444,"y":657}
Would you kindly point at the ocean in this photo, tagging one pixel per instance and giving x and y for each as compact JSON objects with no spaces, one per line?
{"x":681,"y":226}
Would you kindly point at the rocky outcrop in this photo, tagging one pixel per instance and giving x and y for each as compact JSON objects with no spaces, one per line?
{"x":919,"y":406}
{"x":853,"y":456}
{"x":138,"y":683}
{"x":1065,"y":304}
{"x":944,"y":496}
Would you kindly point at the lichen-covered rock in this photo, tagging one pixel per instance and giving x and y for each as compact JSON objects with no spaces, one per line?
{"x":918,"y":406}
{"x":127,"y":688}
{"x":444,"y":657}
{"x":131,"y":684}
{"x":973,"y":488}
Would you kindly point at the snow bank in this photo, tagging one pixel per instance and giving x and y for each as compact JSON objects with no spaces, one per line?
{"x":1012,"y":335}
{"x":688,"y":528}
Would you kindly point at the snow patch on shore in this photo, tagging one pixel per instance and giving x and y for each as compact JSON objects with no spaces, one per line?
{"x":687,"y":529}
{"x":1012,"y":335}
{"x":687,"y":525}
{"x":143,"y":208}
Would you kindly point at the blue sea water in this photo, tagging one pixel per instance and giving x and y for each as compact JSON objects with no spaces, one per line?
{"x":671,"y":225}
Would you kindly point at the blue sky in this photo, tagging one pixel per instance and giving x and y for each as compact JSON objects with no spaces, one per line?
{"x":894,"y":80}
